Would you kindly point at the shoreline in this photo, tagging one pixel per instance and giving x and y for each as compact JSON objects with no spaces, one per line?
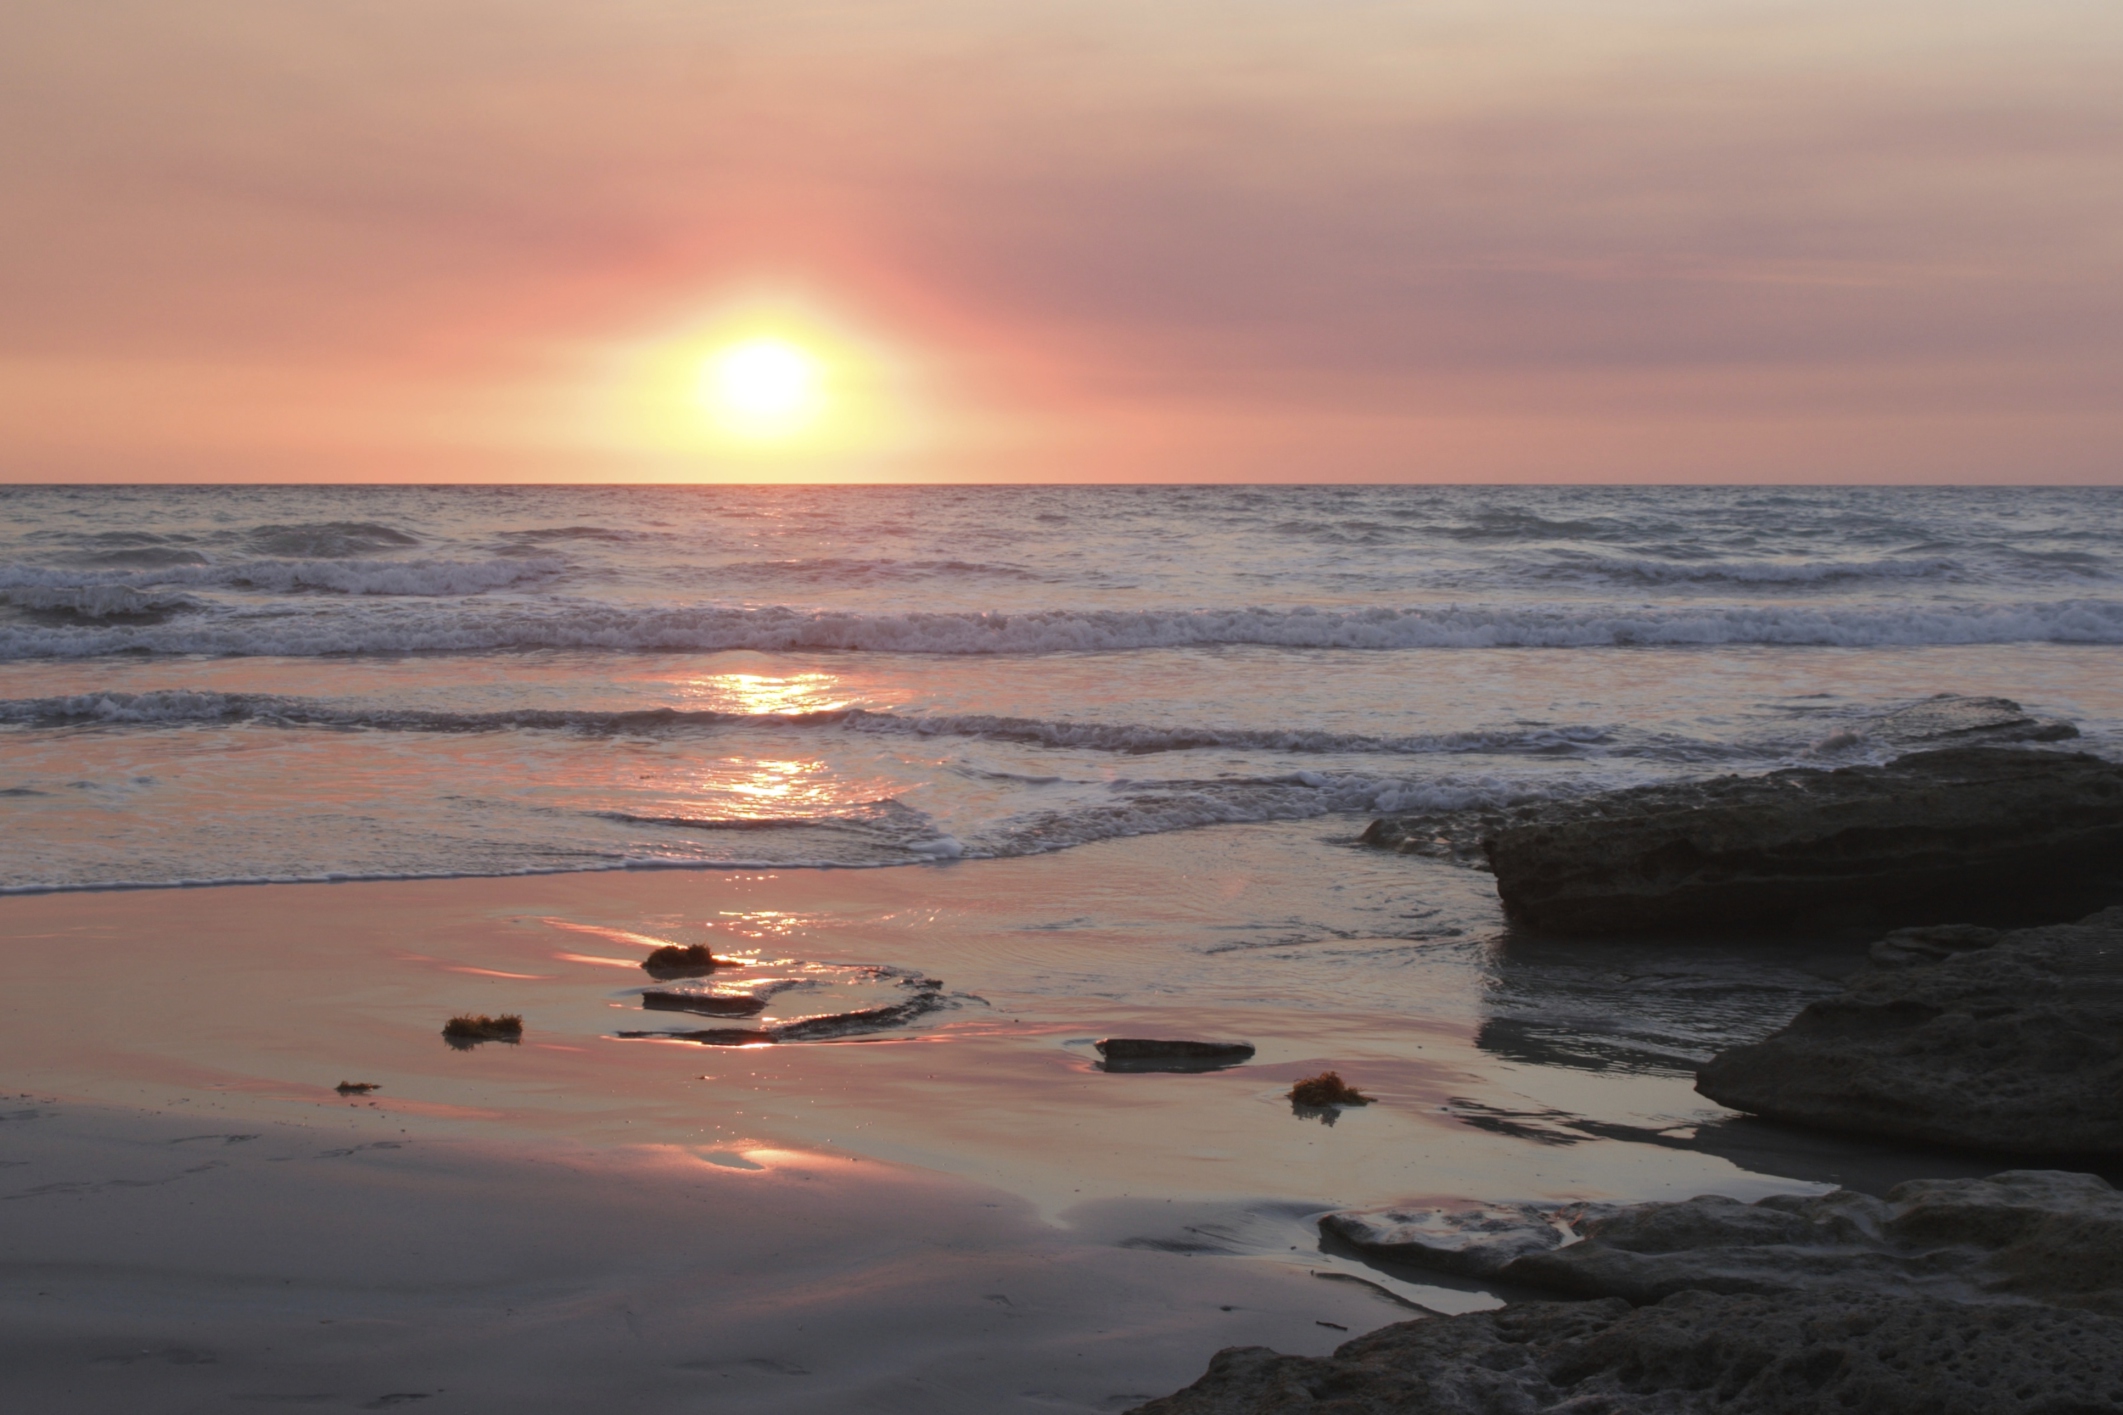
{"x":1144,"y":1202}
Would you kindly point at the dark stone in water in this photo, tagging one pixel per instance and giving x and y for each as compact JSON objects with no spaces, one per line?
{"x":469,"y":1030}
{"x":1147,"y":1054}
{"x":1326,"y":1089}
{"x":2015,"y":1046}
{"x":714,"y":1037}
{"x":710,"y":1004}
{"x":674,"y":961}
{"x":1968,"y":832}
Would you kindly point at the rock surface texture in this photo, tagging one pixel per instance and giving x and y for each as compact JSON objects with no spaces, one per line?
{"x":2023,"y":1236}
{"x":1696,"y":1352}
{"x":1933,"y":837}
{"x":1993,"y":1295}
{"x":2014,"y":1045}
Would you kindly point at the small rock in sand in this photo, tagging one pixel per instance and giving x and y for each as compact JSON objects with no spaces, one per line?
{"x":356,"y":1088}
{"x":1327,"y":1088}
{"x":1148,"y":1054}
{"x":675,"y":961}
{"x":470,"y":1029}
{"x":709,"y":1004}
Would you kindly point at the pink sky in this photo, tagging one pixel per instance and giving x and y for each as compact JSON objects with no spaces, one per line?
{"x":1256,"y":240}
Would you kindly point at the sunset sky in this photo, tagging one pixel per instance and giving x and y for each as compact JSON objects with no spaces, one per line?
{"x":1258,"y":240}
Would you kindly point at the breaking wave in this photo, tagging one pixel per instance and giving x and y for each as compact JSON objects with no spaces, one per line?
{"x":182,"y":708}
{"x":560,"y":624}
{"x":440,"y":578}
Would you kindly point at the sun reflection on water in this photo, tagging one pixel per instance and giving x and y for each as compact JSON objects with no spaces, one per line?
{"x":764,"y":694}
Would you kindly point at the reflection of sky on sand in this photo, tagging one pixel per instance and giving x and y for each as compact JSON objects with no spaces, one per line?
{"x":1391,"y":970}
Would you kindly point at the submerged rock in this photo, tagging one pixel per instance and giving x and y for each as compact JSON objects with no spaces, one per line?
{"x":1933,"y":837}
{"x":1695,"y":1352}
{"x":1150,"y":1054}
{"x":2016,"y":1046}
{"x":707,"y":1003}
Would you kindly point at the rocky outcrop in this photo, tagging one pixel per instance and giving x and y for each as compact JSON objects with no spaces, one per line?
{"x":1987,"y":1295}
{"x":1696,"y":1352}
{"x":1964,"y":832}
{"x":2022,"y":1236}
{"x":1958,"y":1036}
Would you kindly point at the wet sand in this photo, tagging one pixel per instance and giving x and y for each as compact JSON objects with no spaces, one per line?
{"x":963,"y":1214}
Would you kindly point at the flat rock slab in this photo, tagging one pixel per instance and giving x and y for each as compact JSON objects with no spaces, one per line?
{"x":2021,"y":1236}
{"x":1934,"y":837}
{"x":1476,"y":1241}
{"x":2010,"y":1042}
{"x":1152,"y":1054}
{"x":1696,"y":1352}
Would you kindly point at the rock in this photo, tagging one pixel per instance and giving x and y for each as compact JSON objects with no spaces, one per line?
{"x":1950,"y":718}
{"x":1930,"y":944}
{"x":1474,"y":1241}
{"x":469,"y":1029}
{"x":1948,"y":1297}
{"x":1783,"y":1354}
{"x":1933,"y":837}
{"x":713,"y":1037}
{"x":1146,"y":1054}
{"x":2021,"y":1236}
{"x":710,"y":1004}
{"x":2016,"y":1047}
{"x":1326,"y":1089}
{"x":680,"y":961}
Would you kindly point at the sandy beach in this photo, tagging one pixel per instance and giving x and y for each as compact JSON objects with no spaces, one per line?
{"x":961,"y":1215}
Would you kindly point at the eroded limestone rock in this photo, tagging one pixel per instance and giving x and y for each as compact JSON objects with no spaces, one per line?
{"x":1934,"y":837}
{"x":1695,"y":1352}
{"x":1948,"y":1297}
{"x":2016,"y":1046}
{"x":2021,"y":1236}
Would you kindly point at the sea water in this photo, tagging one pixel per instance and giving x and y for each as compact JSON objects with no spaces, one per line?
{"x":208,"y":684}
{"x":1094,"y":759}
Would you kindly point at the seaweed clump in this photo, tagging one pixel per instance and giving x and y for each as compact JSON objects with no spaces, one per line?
{"x":356,"y":1088}
{"x":470,"y":1030}
{"x":1327,"y":1088}
{"x":676,"y":960}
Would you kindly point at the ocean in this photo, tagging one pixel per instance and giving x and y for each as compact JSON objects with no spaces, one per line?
{"x":217,"y":684}
{"x":956,"y":782}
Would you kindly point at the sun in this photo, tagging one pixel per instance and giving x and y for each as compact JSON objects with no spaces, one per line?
{"x":770,"y":384}
{"x":763,"y":388}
